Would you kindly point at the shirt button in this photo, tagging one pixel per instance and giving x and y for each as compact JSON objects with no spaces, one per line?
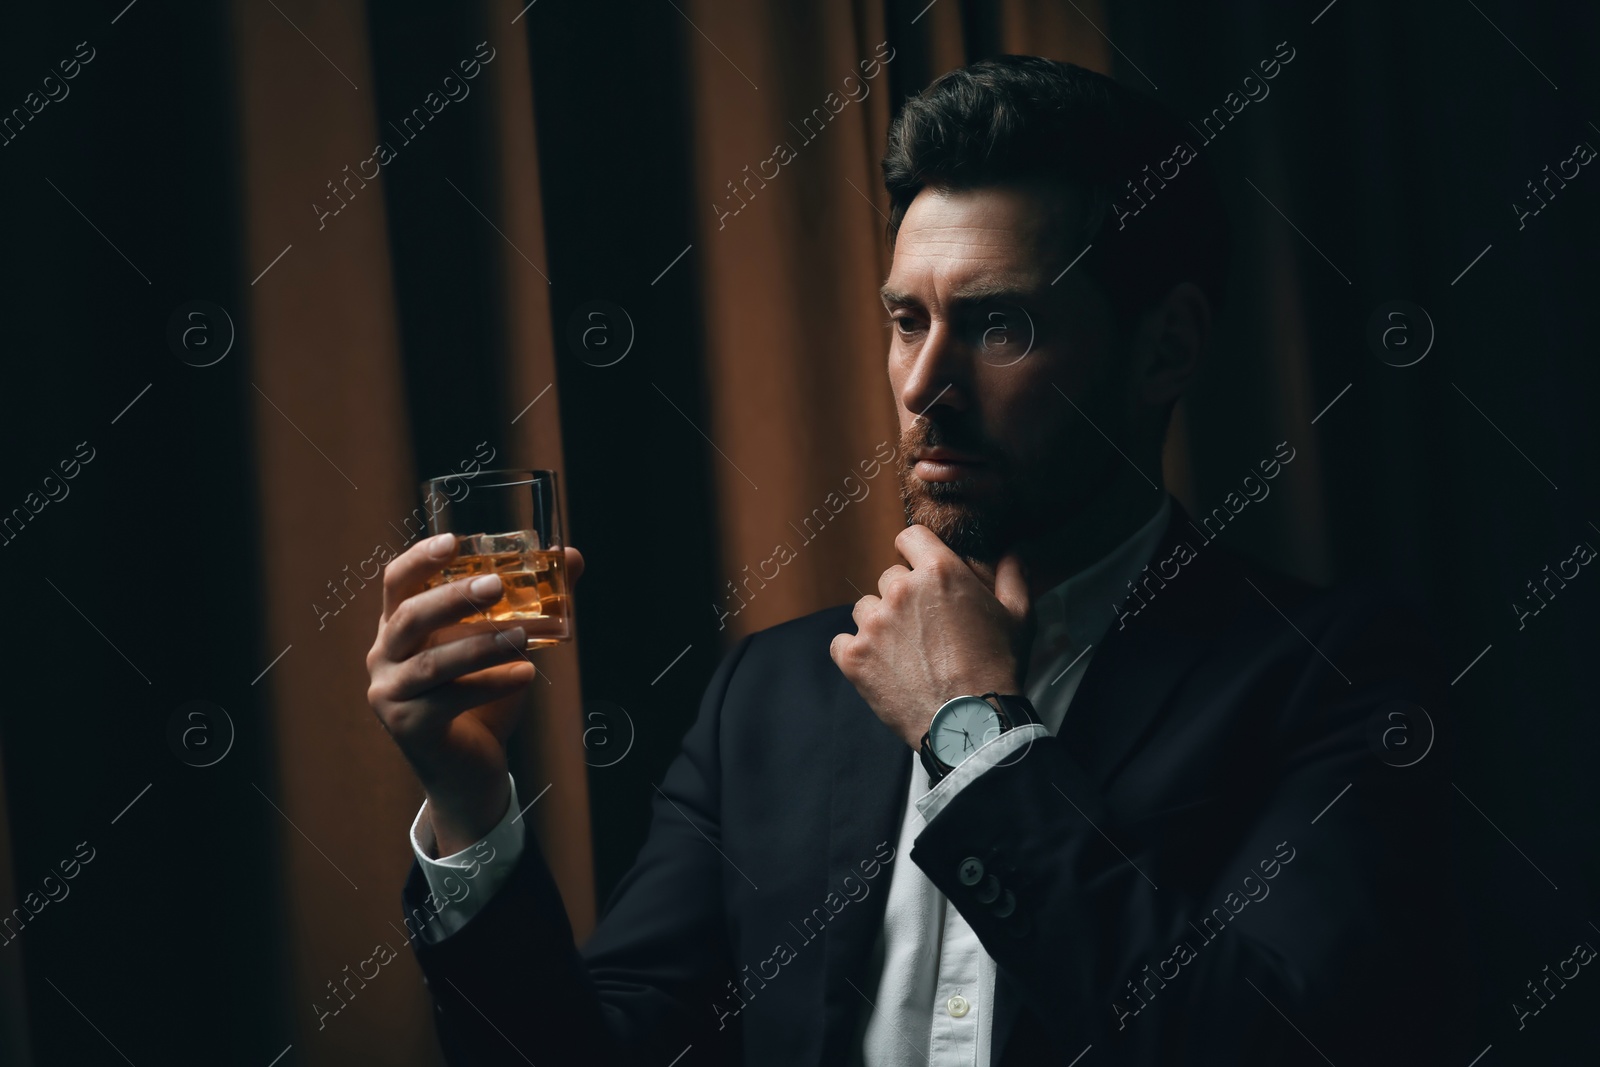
{"x":971,"y":871}
{"x":958,"y":1006}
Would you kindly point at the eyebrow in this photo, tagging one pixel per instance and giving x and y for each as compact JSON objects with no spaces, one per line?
{"x":976,"y":293}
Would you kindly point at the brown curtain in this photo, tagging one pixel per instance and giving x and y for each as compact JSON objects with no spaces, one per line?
{"x":337,"y":477}
{"x":326,"y":358}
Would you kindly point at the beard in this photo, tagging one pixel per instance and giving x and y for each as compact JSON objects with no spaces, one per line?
{"x":976,"y":522}
{"x":972,"y":532}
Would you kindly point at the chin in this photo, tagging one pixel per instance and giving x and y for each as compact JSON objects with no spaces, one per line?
{"x":970,"y":532}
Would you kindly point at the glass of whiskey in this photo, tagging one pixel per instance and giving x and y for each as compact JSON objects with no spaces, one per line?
{"x":506,"y":522}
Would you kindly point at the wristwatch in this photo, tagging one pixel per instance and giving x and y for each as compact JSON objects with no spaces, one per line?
{"x":963,"y":723}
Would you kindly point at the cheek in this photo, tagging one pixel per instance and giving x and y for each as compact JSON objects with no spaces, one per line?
{"x":1041,"y":431}
{"x":1042,"y":440}
{"x":1016,"y":397}
{"x":1094,"y":378}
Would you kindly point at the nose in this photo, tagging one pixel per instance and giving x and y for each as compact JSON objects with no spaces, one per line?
{"x":939,"y":374}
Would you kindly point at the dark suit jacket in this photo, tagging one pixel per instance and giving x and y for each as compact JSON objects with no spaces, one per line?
{"x":1209,"y":864}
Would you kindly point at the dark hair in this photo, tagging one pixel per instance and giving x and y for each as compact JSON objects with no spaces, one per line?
{"x":1026,"y":118}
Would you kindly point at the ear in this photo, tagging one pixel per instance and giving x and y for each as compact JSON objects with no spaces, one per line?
{"x":1172,"y":339}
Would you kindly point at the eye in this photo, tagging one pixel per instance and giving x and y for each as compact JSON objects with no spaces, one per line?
{"x":905,"y":325}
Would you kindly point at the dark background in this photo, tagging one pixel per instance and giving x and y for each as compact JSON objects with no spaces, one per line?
{"x":1397,"y":140}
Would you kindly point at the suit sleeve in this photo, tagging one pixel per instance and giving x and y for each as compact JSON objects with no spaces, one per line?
{"x":512,"y":987}
{"x":1310,"y":927}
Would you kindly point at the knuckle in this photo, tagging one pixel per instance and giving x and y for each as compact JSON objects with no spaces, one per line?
{"x":425,"y":664}
{"x":404,"y":616}
{"x":378,"y":698}
{"x":398,"y":724}
{"x":376,"y":655}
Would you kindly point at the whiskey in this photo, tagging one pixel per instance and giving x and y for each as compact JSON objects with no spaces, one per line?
{"x":533,"y":583}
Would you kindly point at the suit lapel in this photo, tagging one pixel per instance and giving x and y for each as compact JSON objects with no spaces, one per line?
{"x":1142,"y":659}
{"x":871,"y":768}
{"x":1128,"y":681}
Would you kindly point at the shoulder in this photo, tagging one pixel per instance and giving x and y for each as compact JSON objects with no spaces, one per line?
{"x":1214,"y":588}
{"x":797,"y":648}
{"x":1356,"y":633}
{"x":778,"y":683}
{"x":806,"y":628}
{"x":1358,"y":609}
{"x":1233,"y":588}
{"x":1234,"y":619}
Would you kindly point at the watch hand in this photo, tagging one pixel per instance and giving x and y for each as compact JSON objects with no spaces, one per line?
{"x":966,"y":742}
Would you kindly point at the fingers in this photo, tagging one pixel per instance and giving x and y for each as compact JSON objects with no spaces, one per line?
{"x":866,"y":607}
{"x":407,"y":574}
{"x":838,"y":646}
{"x":502,"y":715}
{"x":1011,"y":585}
{"x":428,"y":689}
{"x":574,"y":566}
{"x":416,"y":618}
{"x":921,"y":547}
{"x":893,"y":574}
{"x":437,"y":665}
{"x":984,"y":572}
{"x":420,"y":716}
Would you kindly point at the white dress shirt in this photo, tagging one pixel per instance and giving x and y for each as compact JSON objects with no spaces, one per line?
{"x":932,"y":1005}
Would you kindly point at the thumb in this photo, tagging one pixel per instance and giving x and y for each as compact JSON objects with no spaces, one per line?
{"x":574,"y":560}
{"x":1011,"y":586}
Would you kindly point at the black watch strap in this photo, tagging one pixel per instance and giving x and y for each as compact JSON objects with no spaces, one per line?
{"x":936,"y":767}
{"x":1015,"y":709}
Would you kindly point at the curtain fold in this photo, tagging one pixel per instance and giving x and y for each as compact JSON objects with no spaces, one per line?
{"x":552,"y":733}
{"x":335,"y":468}
{"x":790,"y":251}
{"x":338,"y":480}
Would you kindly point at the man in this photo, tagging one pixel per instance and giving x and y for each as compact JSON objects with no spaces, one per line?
{"x":1074,"y":782}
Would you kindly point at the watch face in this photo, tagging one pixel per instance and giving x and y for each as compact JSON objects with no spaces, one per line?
{"x":960,"y":727}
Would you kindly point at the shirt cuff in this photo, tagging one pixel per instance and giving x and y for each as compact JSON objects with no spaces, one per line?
{"x":461,"y":884}
{"x":1006,"y":748}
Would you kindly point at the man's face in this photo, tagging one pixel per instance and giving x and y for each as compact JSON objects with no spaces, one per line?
{"x":992,"y":348}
